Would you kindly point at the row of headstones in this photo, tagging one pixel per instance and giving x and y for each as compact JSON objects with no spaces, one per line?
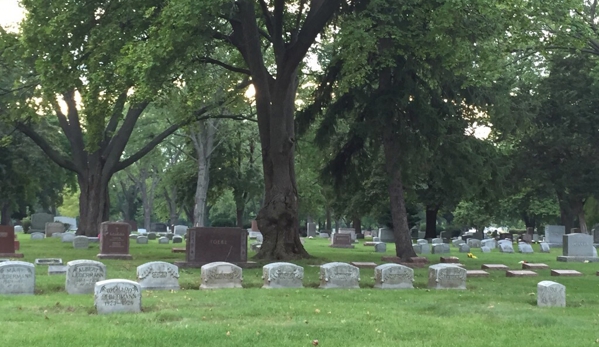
{"x":161,"y":240}
{"x":82,"y":242}
{"x":505,"y":246}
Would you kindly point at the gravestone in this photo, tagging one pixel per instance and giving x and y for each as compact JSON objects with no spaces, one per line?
{"x":142,"y":240}
{"x":81,"y":242}
{"x":500,"y":267}
{"x":142,"y":231}
{"x":422,"y":241}
{"x":158,"y":227}
{"x":535,"y":238}
{"x":440,"y":248}
{"x":114,"y":241}
{"x":18,"y":229}
{"x":177,"y":239}
{"x":48,"y":261}
{"x":349,"y":231}
{"x":457,"y":243}
{"x":488,"y":243}
{"x":527,"y":238}
{"x":569,"y":273}
{"x":341,"y":241}
{"x":545,"y":247}
{"x":37,"y":236}
{"x":220,"y":274}
{"x":520,"y":273}
{"x":67,"y":237}
{"x":464,"y":248}
{"x":7,"y":242}
{"x":437,"y":240}
{"x":282,"y":275}
{"x":53,"y":227}
{"x":152,"y":236}
{"x":158,"y":275}
{"x":446,"y":276}
{"x":578,"y":247}
{"x":311,"y":229}
{"x":476,"y":273}
{"x":117,"y":295}
{"x":207,"y":245}
{"x":339,"y":275}
{"x":421,"y":234}
{"x":425,"y":248}
{"x":534,"y":266}
{"x":57,"y":270}
{"x":163,"y":240}
{"x":386,"y":235}
{"x":376,"y":239}
{"x":595,"y":235}
{"x":38,"y":222}
{"x":551,"y":294}
{"x":380,"y":247}
{"x":474,"y":243}
{"x":393,"y":276}
{"x":133,"y":236}
{"x":554,"y":235}
{"x":485,"y":249}
{"x":17,"y":277}
{"x":323,"y":235}
{"x":525,"y":248}
{"x":417,"y":248}
{"x":82,"y":276}
{"x":180,"y":230}
{"x":57,"y":235}
{"x":506,"y":247}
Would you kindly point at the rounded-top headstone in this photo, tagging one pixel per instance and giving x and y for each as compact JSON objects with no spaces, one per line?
{"x":339,"y":275}
{"x":67,"y":237}
{"x":177,"y":239}
{"x":380,"y":247}
{"x":117,"y":296}
{"x":151,"y":236}
{"x":142,"y":240}
{"x":158,"y":275}
{"x":163,"y":240}
{"x":82,"y":276}
{"x":282,"y":275}
{"x":446,"y":276}
{"x":81,"y":242}
{"x":37,"y":236}
{"x":220,"y":274}
{"x":551,"y":294}
{"x":180,"y":230}
{"x":393,"y":276}
{"x":17,"y":278}
{"x":422,"y":242}
{"x":464,"y":248}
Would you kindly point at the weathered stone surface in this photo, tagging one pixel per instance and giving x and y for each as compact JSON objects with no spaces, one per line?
{"x":446,"y":276}
{"x":152,"y":236}
{"x":48,"y":261}
{"x":554,"y":235}
{"x":437,"y":240}
{"x":506,"y":247}
{"x":476,"y":273}
{"x":53,"y":227}
{"x":485,"y":249}
{"x":177,"y":239}
{"x":363,"y":265}
{"x":525,"y":248}
{"x":386,"y":235}
{"x":545,"y":247}
{"x":339,"y":275}
{"x":569,"y":273}
{"x":37,"y":236}
{"x":464,"y":248}
{"x":380,"y":247}
{"x":57,"y":270}
{"x":17,"y":277}
{"x":474,"y":243}
{"x":207,"y":245}
{"x":534,"y":266}
{"x":163,"y":240}
{"x":488,"y":243}
{"x":180,"y":230}
{"x":310,"y":229}
{"x":422,"y":241}
{"x":114,"y":240}
{"x":458,"y":242}
{"x":117,"y":296}
{"x":551,"y":294}
{"x":38,"y":222}
{"x":158,"y":275}
{"x":370,"y":243}
{"x":67,"y":237}
{"x":578,"y":245}
{"x":81,"y":242}
{"x":82,"y":276}
{"x":449,"y":260}
{"x":220,"y":275}
{"x":282,"y":275}
{"x":142,"y":240}
{"x":440,"y":248}
{"x":393,"y":276}
{"x":494,"y":267}
{"x":342,"y":241}
{"x":520,"y":273}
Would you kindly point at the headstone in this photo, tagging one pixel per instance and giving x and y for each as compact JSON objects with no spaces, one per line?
{"x":386,"y":235}
{"x":476,"y":273}
{"x":425,"y":248}
{"x":339,"y":275}
{"x":177,"y":239}
{"x":535,"y":238}
{"x":417,"y":248}
{"x":393,"y":276}
{"x":488,"y":243}
{"x":207,"y":245}
{"x":158,"y":227}
{"x":525,"y":248}
{"x":527,"y":238}
{"x":311,"y":229}
{"x":114,"y":241}
{"x":422,"y":241}
{"x":82,"y":276}
{"x":520,"y":273}
{"x":158,"y":275}
{"x":376,"y":239}
{"x":67,"y":237}
{"x":505,"y":247}
{"x":545,"y":247}
{"x":464,"y":248}
{"x":534,"y":266}
{"x":81,"y":242}
{"x":38,"y":222}
{"x":48,"y":261}
{"x":17,"y":277}
{"x":180,"y":230}
{"x":57,"y":270}
{"x":495,"y":267}
{"x":554,"y":235}
{"x":163,"y":240}
{"x":437,"y":240}
{"x":578,"y":245}
{"x":142,"y":240}
{"x":440,"y":248}
{"x":485,"y":249}
{"x":457,"y":243}
{"x":551,"y":294}
{"x":474,"y":243}
{"x":421,"y":234}
{"x":221,"y":274}
{"x":342,"y":241}
{"x":152,"y":236}
{"x":323,"y":235}
{"x":449,"y":260}
{"x":350,"y":231}
{"x":569,"y":273}
{"x":117,"y":296}
{"x":7,"y":242}
{"x":282,"y":275}
{"x":446,"y":276}
{"x":142,"y":231}
{"x":380,"y":247}
{"x":57,"y":235}
{"x":18,"y":229}
{"x":53,"y":227}
{"x":37,"y":236}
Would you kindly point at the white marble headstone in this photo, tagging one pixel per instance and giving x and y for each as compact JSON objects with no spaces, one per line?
{"x":380,"y":247}
{"x":545,"y":247}
{"x":422,"y":242}
{"x":393,"y":276}
{"x":474,"y":243}
{"x":220,"y":275}
{"x":525,"y":248}
{"x":339,"y":275}
{"x":506,"y":247}
{"x":158,"y":275}
{"x":67,"y":237}
{"x":81,"y":242}
{"x":177,"y":239}
{"x":437,"y":240}
{"x":180,"y":230}
{"x":142,"y":240}
{"x":446,"y":276}
{"x":551,"y":294}
{"x":163,"y":240}
{"x":464,"y":248}
{"x":37,"y":236}
{"x":82,"y":276}
{"x":282,"y":275}
{"x":440,"y":248}
{"x":485,"y":249}
{"x":117,"y":296}
{"x":17,"y":277}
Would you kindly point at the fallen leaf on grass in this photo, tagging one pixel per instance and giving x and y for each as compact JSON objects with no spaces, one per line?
{"x":314,"y":342}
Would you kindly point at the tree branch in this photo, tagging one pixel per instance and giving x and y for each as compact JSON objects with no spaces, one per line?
{"x":147,"y":148}
{"x":267,"y":17}
{"x":224,"y":65}
{"x":45,"y":146}
{"x":117,"y":113}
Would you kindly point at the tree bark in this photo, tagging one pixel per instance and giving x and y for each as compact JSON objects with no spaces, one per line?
{"x":202,"y":135}
{"x":431,"y":222}
{"x":5,"y":214}
{"x":328,"y":224}
{"x":94,"y":202}
{"x":357,"y":225}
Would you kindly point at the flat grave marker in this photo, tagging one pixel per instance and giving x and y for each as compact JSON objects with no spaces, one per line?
{"x":534,"y":266}
{"x":48,"y":261}
{"x":520,"y":273}
{"x":568,"y":273}
{"x":476,"y":273}
{"x":494,"y":267}
{"x":57,"y":270}
{"x":363,"y":265}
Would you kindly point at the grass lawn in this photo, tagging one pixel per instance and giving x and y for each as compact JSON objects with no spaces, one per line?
{"x":493,"y":311}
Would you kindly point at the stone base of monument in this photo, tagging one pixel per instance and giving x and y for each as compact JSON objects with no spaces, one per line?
{"x":178,"y":250}
{"x":578,"y":259}
{"x":243,"y":265}
{"x":115,"y":256}
{"x":342,"y":246}
{"x":11,"y":255}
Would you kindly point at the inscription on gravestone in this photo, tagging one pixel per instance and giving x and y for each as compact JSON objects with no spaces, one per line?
{"x":282,"y":275}
{"x":446,"y":276}
{"x":220,"y":275}
{"x":17,"y":277}
{"x":82,"y":276}
{"x":114,"y":240}
{"x":158,"y":275}
{"x":339,"y":275}
{"x":393,"y":276}
{"x":551,"y":294}
{"x":206,"y":245}
{"x":116,"y":296}
{"x":341,"y":241}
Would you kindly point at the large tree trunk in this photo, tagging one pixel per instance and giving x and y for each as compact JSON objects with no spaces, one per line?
{"x":171,"y":201}
{"x":328,"y":225}
{"x":357,"y":225}
{"x":202,"y":183}
{"x":431,"y":222}
{"x":94,"y":203}
{"x":202,"y":134}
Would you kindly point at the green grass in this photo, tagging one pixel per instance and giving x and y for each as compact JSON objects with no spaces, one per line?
{"x":494,"y":311}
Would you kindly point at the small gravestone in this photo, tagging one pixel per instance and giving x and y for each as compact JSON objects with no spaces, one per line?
{"x":37,"y":236}
{"x":152,"y":236}
{"x":386,"y":235}
{"x":53,"y":227}
{"x":578,"y":247}
{"x":446,"y":276}
{"x":67,"y":237}
{"x":437,"y":240}
{"x":133,"y":236}
{"x":490,"y":243}
{"x":551,"y":294}
{"x":177,"y":239}
{"x":525,"y":248}
{"x":376,"y":239}
{"x":17,"y":277}
{"x":57,"y":235}
{"x":534,"y":266}
{"x":163,"y":240}
{"x":380,"y":247}
{"x":554,"y":235}
{"x":417,"y":248}
{"x":476,"y":273}
{"x":57,"y":269}
{"x":117,"y":296}
{"x":282,"y":275}
{"x":114,"y":241}
{"x":464,"y":248}
{"x":449,"y":260}
{"x":323,"y":235}
{"x":48,"y":261}
{"x":520,"y":273}
{"x":341,"y":241}
{"x":422,"y":242}
{"x":142,"y":240}
{"x":425,"y":248}
{"x":219,"y":275}
{"x":158,"y":275}
{"x":485,"y":249}
{"x":82,"y":276}
{"x":180,"y":230}
{"x":158,"y":227}
{"x":545,"y":247}
{"x":81,"y":242}
{"x":310,"y":229}
{"x":339,"y":275}
{"x":440,"y":248}
{"x":474,"y":243}
{"x":495,"y":267}
{"x":18,"y":229}
{"x":505,"y":247}
{"x":7,"y":242}
{"x":457,"y":242}
{"x":393,"y":276}
{"x":569,"y":273}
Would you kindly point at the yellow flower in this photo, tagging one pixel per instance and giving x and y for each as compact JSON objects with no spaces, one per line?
{"x":470,"y":255}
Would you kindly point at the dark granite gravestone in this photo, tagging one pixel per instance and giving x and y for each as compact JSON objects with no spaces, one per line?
{"x":207,"y":245}
{"x":114,"y":241}
{"x":341,"y":241}
{"x":132,"y":223}
{"x":7,"y":242}
{"x":158,"y":227}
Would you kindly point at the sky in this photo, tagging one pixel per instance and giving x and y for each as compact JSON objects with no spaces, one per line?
{"x":10,"y":13}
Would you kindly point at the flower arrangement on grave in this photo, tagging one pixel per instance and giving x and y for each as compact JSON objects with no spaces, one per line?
{"x":470,"y":255}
